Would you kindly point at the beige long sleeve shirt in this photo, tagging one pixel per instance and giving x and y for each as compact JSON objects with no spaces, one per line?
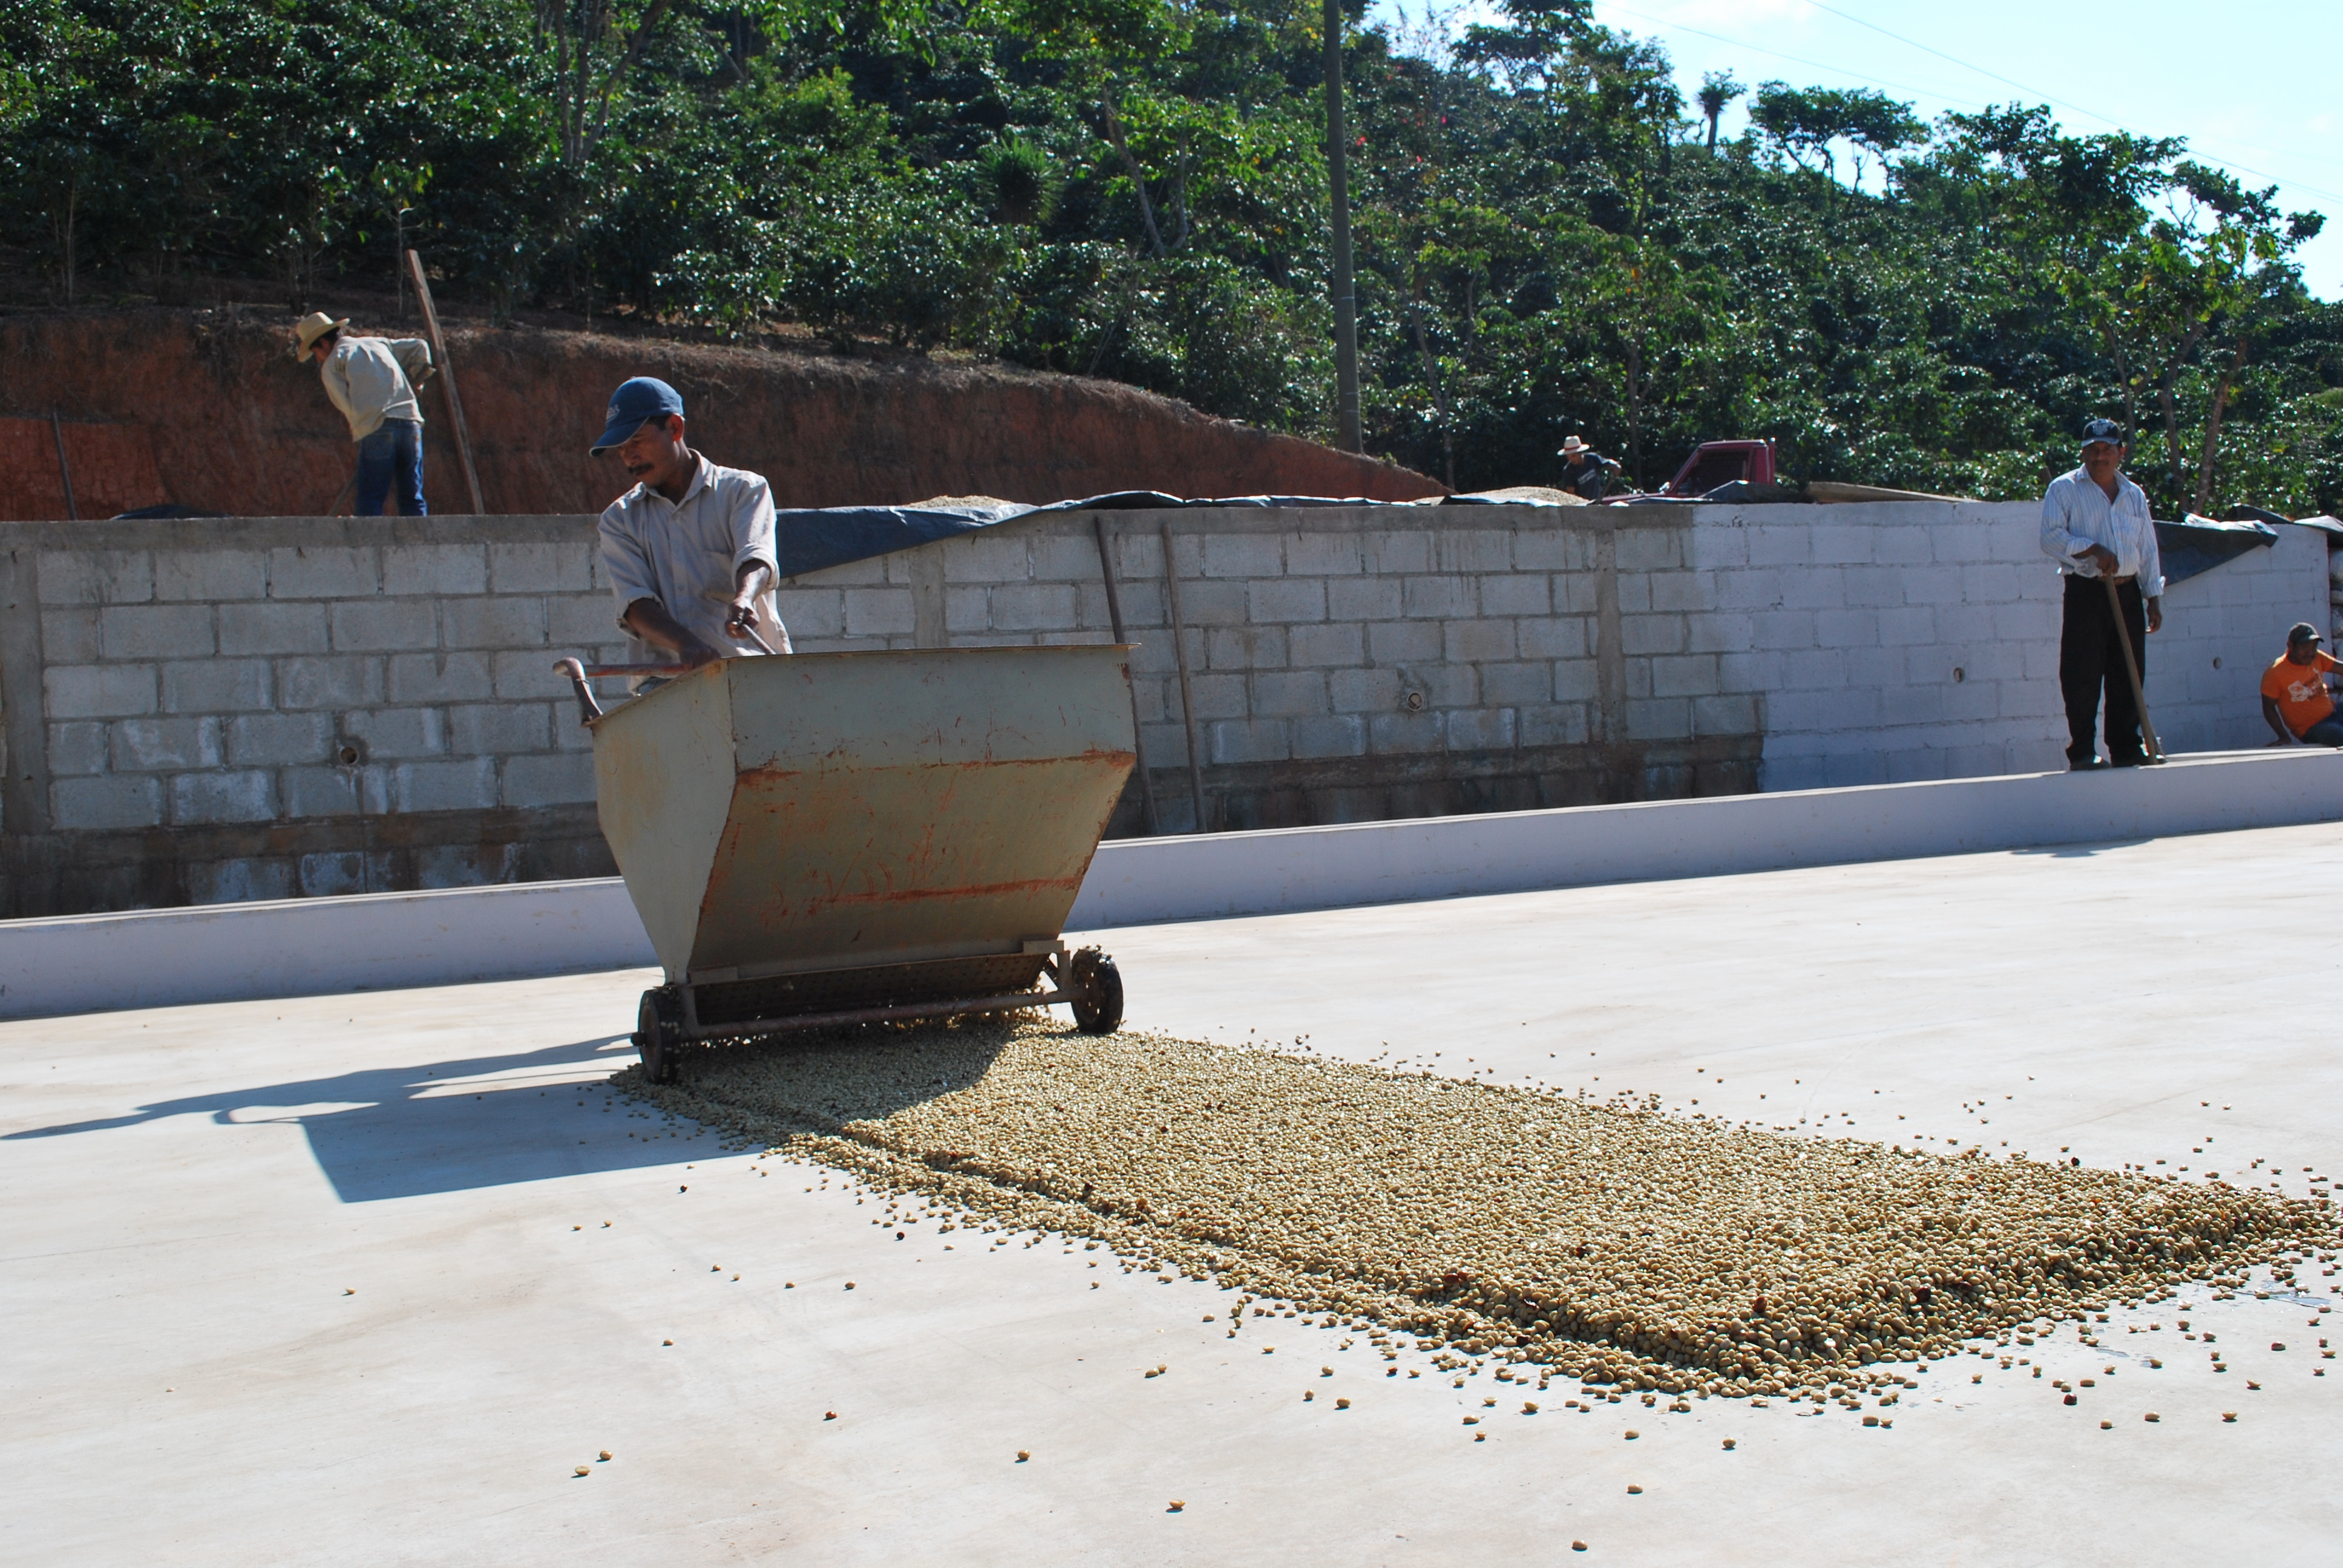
{"x":368,"y":380}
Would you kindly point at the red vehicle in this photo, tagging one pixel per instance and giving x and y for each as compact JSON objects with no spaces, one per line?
{"x":1714,"y":463}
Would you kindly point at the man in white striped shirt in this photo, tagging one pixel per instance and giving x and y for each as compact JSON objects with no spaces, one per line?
{"x":2095,"y":525}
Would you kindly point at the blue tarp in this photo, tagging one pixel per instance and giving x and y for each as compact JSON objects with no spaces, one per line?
{"x":2195,"y":544}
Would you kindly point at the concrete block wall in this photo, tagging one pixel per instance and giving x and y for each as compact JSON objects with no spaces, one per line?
{"x":297,"y":707}
{"x":1351,"y":663}
{"x":2221,"y":630}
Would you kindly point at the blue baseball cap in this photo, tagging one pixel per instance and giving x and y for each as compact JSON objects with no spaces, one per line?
{"x":638,"y":400}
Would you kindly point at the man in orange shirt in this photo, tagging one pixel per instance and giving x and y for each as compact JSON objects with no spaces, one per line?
{"x":2295,"y":700}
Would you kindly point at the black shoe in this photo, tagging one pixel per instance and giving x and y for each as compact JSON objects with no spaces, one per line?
{"x":2131,"y":760}
{"x":2086,"y":765}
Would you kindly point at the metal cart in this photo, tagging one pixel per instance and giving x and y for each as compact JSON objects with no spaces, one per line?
{"x":847,"y":838}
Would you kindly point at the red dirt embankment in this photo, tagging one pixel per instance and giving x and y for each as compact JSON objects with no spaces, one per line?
{"x":203,"y":409}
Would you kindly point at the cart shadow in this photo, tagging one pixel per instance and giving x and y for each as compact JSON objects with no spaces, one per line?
{"x":438,"y":1126}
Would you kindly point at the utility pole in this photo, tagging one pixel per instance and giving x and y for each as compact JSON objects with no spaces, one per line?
{"x":1346,"y":316}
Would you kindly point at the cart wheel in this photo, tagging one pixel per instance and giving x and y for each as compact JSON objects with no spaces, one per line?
{"x":659,"y":1035}
{"x":1097,"y":992}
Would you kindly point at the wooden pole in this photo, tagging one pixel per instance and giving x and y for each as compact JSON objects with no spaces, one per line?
{"x":1114,"y":614}
{"x":64,"y":469}
{"x":1338,"y":177}
{"x":446,"y":379}
{"x":1187,"y":693}
{"x":2131,"y":669}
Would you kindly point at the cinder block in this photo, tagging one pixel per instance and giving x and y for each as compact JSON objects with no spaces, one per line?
{"x":515,"y":568}
{"x":887,"y":611}
{"x":263,"y":628}
{"x":219,"y":797}
{"x":528,"y":675}
{"x":1397,"y":552}
{"x":1203,"y":603}
{"x":1650,"y":548}
{"x":821,"y":612}
{"x":1478,"y":641}
{"x":1244,"y":647}
{"x":1754,"y":671}
{"x":1940,"y":585}
{"x":1964,"y":539}
{"x":1817,"y":587}
{"x":1780,"y":544}
{"x":1841,"y":545}
{"x":469,"y":785}
{"x":1517,"y":593}
{"x":501,"y":622}
{"x":1219,"y":697}
{"x":116,"y":800}
{"x":1755,"y":589}
{"x":1402,"y":734}
{"x":1552,"y":543}
{"x":1553,"y":636}
{"x":1243,"y":556}
{"x":98,"y":690}
{"x":1649,"y":634}
{"x":466,"y":865}
{"x":1877,"y":587}
{"x":1638,"y":675}
{"x":1689,"y":675}
{"x":1913,"y":704}
{"x":1289,"y":693}
{"x":500,"y":728}
{"x":70,"y":635}
{"x":1331,"y":645}
{"x":161,"y":745}
{"x":418,"y":678}
{"x":1438,"y":598}
{"x":1138,"y":554}
{"x":1478,"y":730}
{"x":278,"y":740}
{"x":1015,"y":607}
{"x":1684,"y":592}
{"x":1286,"y":600}
{"x":869,"y":572}
{"x":1903,"y":545}
{"x":389,"y":734}
{"x":1403,"y":641}
{"x":1065,"y":558}
{"x":1444,"y":686}
{"x":244,"y":880}
{"x":1513,"y":685}
{"x":97,"y":577}
{"x":1993,"y":582}
{"x":566,"y":778}
{"x":1716,"y":546}
{"x":361,"y":626}
{"x":1720,"y":631}
{"x":1363,"y":598}
{"x":1659,"y":718}
{"x":1363,"y":690}
{"x":1472,"y":550}
{"x":217,"y":686}
{"x":438,"y":570}
{"x":1735,"y":715}
{"x":1908,"y":627}
{"x":1323,"y":555}
{"x":324,"y":571}
{"x":1336,"y":734}
{"x":1819,"y":669}
{"x":1555,"y":724}
{"x":81,"y":746}
{"x":210,"y":576}
{"x":1577,"y":679}
{"x":333,"y":874}
{"x":318,"y":791}
{"x":1848,"y":628}
{"x":1248,"y":740}
{"x":1167,"y":746}
{"x":988,"y":556}
{"x":349,"y":682}
{"x":1635,"y":591}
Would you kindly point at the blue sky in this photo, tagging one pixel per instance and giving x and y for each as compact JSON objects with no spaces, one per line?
{"x":2248,"y":83}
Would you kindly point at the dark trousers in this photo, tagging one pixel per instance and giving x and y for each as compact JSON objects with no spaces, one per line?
{"x":2089,"y":657}
{"x":391,"y":460}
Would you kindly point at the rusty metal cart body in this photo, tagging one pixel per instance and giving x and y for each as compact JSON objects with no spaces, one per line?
{"x":840,"y":838}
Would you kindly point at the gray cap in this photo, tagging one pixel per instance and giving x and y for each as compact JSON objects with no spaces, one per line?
{"x":2302,"y":631}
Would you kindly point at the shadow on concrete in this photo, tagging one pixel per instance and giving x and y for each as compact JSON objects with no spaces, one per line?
{"x":441,"y":1126}
{"x":2079,"y":852}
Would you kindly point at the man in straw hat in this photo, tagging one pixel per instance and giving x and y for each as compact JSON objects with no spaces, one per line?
{"x":2095,"y":526}
{"x":1584,"y":470}
{"x":372,"y":381}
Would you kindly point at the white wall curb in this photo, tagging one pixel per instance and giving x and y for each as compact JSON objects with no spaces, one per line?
{"x":382,"y":941}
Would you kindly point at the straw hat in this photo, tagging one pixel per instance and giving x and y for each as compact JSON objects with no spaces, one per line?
{"x":311,"y":327}
{"x":1572,"y":446}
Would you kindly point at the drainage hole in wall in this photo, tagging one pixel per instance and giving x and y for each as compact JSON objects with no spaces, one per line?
{"x":1959,"y":674}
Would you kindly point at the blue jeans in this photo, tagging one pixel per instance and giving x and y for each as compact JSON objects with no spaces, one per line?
{"x":392,"y":455}
{"x":2327,"y":732}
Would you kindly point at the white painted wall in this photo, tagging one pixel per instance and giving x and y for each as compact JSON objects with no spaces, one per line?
{"x":2221,"y":630}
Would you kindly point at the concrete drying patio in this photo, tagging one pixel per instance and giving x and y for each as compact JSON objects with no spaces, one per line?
{"x":194,"y":1194}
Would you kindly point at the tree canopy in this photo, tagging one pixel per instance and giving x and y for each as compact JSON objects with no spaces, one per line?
{"x":1550,"y":240}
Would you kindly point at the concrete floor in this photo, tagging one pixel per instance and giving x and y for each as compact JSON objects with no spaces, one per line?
{"x":194,"y":1194}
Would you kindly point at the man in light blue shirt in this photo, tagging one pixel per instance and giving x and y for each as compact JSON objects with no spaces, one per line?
{"x":2095,"y":525}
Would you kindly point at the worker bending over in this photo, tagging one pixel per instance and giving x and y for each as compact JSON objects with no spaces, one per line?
{"x":2294,"y":699}
{"x":2095,"y":523}
{"x":690,"y":550}
{"x":372,"y":381}
{"x":1584,"y":470}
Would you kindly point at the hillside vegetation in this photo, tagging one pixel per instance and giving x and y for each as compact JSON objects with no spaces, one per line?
{"x":1550,"y":238}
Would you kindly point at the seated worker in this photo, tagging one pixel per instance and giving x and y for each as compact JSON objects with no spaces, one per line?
{"x":2294,"y":699}
{"x":1584,"y":470}
{"x":690,"y":550}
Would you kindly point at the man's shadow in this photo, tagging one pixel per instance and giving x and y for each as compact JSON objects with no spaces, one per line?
{"x":439,"y":1127}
